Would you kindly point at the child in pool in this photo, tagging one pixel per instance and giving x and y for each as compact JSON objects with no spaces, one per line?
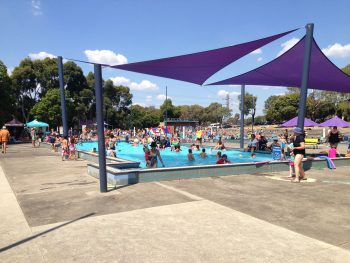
{"x":190,"y":156}
{"x":203,"y":153}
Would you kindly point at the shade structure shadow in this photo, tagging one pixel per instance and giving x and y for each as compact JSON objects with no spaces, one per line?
{"x":20,"y":242}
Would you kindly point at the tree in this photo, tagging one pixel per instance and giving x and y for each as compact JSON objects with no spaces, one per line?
{"x":192,"y":112}
{"x":74,"y":78}
{"x":48,"y":109}
{"x":249,"y":105}
{"x":169,"y":110}
{"x":6,"y":95}
{"x":26,"y":87}
{"x":281,"y":108}
{"x":215,"y":112}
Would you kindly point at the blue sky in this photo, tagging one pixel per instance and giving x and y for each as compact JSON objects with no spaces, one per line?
{"x":119,"y":31}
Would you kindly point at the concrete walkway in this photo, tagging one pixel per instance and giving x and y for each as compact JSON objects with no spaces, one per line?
{"x":54,"y":213}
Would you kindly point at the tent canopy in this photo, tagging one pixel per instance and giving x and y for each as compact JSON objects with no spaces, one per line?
{"x":286,"y":70}
{"x":294,"y":122}
{"x":335,"y":121}
{"x":197,"y":67}
{"x":14,"y":123}
{"x":37,"y":124}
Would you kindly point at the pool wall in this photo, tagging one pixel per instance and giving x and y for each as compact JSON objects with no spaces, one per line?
{"x":124,"y":172}
{"x":131,"y":176}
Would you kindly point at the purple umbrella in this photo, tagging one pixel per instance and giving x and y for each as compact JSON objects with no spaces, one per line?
{"x":335,"y":121}
{"x":294,"y":122}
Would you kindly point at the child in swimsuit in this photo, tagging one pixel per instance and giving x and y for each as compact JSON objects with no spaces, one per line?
{"x":72,"y":149}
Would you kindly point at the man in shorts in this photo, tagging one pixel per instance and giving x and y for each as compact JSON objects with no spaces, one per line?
{"x":4,"y":138}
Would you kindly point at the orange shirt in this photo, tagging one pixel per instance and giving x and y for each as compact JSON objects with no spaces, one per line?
{"x":5,"y":135}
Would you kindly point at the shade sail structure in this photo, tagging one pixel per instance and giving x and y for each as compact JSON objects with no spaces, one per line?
{"x":335,"y":121}
{"x":286,"y":70}
{"x":37,"y":124}
{"x":197,"y":67}
{"x":294,"y":123}
{"x":14,"y":123}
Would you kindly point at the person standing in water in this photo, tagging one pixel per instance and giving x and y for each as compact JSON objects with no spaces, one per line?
{"x":154,"y":155}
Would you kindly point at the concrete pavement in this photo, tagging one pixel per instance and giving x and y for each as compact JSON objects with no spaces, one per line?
{"x":54,"y":213}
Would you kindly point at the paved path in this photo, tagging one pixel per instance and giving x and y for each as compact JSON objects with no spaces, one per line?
{"x":54,"y":213}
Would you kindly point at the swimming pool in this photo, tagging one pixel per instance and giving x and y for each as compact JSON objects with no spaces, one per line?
{"x":177,"y":159}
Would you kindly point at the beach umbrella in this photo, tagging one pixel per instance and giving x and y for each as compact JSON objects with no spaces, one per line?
{"x":294,"y":122}
{"x":335,"y":121}
{"x":37,"y":124}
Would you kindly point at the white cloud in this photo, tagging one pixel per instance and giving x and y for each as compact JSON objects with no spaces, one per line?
{"x":223,"y":93}
{"x":140,"y":104}
{"x":266,"y":88}
{"x":36,"y":7}
{"x":259,"y":59}
{"x":41,"y":55}
{"x":256,"y":51}
{"x":337,"y":50}
{"x":149,"y":99}
{"x":105,"y":57}
{"x":143,"y":85}
{"x":287,"y":45}
{"x":162,"y":97}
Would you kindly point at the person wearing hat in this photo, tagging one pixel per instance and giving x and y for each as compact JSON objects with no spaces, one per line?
{"x":154,"y":154}
{"x":4,"y":138}
{"x":274,"y":144}
{"x":299,"y":153}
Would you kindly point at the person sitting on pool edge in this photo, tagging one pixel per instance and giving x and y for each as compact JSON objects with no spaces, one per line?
{"x":252,"y":145}
{"x":223,"y":160}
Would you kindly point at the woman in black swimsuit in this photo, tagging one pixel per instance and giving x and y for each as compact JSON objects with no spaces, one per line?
{"x":299,"y":153}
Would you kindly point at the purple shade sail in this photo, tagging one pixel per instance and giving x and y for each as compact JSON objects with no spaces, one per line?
{"x":294,"y":123}
{"x":286,"y":70}
{"x":197,"y":67}
{"x":335,"y":121}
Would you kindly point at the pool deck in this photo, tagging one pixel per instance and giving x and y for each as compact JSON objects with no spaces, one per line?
{"x":52,"y":211}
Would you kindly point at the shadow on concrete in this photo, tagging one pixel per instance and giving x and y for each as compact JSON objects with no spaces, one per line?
{"x":114,"y":188}
{"x":42,"y":233}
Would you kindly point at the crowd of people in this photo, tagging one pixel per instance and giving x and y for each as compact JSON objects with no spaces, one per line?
{"x":287,"y":146}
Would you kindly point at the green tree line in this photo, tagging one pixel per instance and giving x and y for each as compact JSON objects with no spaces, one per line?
{"x":32,"y":91}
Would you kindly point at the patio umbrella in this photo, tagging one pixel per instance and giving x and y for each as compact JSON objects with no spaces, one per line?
{"x":14,"y":123}
{"x":294,"y":122}
{"x":36,"y":124}
{"x":335,"y":121}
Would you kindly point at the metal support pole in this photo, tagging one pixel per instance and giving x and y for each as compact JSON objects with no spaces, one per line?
{"x":63,"y":97}
{"x":100,"y":128}
{"x":166,"y":106}
{"x":241,"y":139}
{"x":305,"y":75}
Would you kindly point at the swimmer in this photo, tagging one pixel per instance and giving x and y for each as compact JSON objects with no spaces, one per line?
{"x":203,"y":153}
{"x":190,"y":156}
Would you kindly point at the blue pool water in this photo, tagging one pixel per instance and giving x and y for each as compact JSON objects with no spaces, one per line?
{"x":177,"y":159}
